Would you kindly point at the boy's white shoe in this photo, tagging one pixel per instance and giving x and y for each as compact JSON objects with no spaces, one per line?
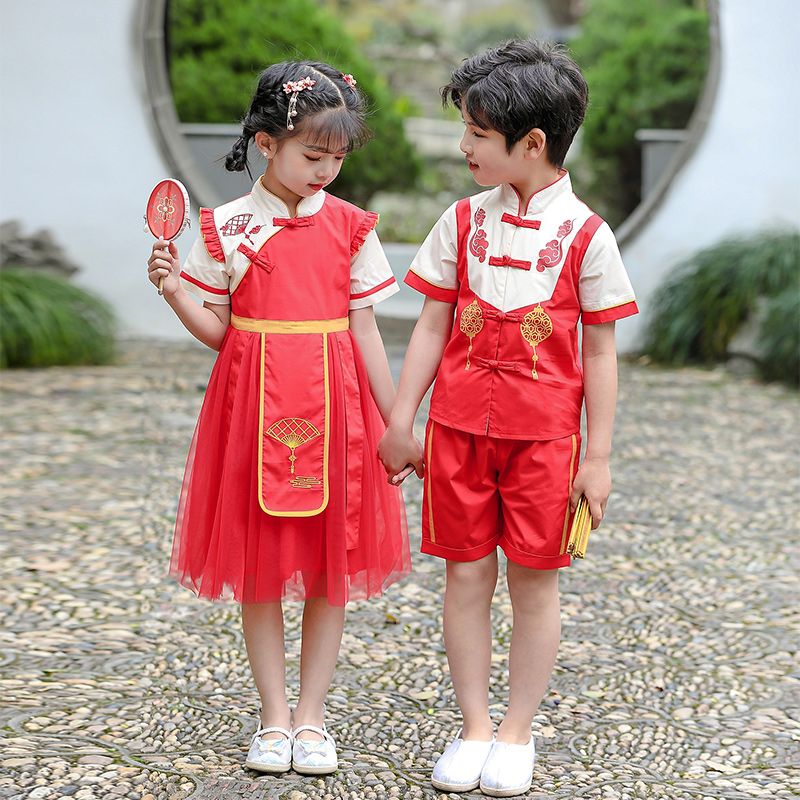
{"x":508,"y":770}
{"x":314,"y":757}
{"x":459,"y":767}
{"x":270,"y":755}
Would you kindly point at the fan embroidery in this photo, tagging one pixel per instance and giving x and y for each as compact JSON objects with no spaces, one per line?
{"x":294,"y":432}
{"x":236,"y":225}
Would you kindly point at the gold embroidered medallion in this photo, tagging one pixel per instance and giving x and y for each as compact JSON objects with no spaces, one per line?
{"x":535,"y":327}
{"x":471,"y":324}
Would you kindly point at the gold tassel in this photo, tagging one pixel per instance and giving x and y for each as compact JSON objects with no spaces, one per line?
{"x":579,"y":532}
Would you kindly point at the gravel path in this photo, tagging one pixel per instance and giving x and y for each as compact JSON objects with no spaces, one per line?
{"x":677,"y":674}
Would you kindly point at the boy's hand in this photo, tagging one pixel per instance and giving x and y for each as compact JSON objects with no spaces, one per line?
{"x":401,"y":455}
{"x":594,"y":481}
{"x":164,"y":262}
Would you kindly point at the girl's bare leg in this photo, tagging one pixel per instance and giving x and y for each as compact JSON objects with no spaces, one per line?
{"x":262,"y":624}
{"x":323,"y":625}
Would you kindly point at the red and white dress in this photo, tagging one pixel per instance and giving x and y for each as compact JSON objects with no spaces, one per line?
{"x":504,"y":431}
{"x":284,"y":495}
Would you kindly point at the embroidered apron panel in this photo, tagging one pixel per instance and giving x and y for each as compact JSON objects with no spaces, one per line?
{"x":294,"y":424}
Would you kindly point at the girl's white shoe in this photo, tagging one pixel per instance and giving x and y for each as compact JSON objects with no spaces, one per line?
{"x":270,"y":755}
{"x":313,"y":757}
{"x":509,"y":769}
{"x":459,"y":767}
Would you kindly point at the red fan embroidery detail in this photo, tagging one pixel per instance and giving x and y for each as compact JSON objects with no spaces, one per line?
{"x":236,"y":225}
{"x":478,"y":243}
{"x":550,"y":256}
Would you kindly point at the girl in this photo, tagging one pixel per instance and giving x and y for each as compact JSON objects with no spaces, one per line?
{"x":283,"y":495}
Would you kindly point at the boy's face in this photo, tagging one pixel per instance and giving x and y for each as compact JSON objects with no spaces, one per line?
{"x":488,"y":158}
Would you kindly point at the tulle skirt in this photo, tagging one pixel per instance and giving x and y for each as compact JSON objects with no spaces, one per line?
{"x":226,"y":547}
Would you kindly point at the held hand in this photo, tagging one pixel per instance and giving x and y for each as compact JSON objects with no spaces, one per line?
{"x":401,"y":455}
{"x":594,"y":481}
{"x":164,"y":263}
{"x":396,"y":480}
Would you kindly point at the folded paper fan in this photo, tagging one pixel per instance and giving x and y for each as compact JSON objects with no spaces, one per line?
{"x":579,"y":532}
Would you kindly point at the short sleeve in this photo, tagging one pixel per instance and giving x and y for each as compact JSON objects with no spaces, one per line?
{"x":371,"y":277}
{"x":604,"y":288}
{"x":204,"y":275}
{"x":434,"y":271}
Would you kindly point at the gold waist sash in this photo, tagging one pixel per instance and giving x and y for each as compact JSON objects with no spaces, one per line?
{"x":290,"y":326}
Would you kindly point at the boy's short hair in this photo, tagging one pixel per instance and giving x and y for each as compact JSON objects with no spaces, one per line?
{"x":519,"y":86}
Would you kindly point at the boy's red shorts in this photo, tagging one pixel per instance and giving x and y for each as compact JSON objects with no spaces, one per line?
{"x":481,"y":492}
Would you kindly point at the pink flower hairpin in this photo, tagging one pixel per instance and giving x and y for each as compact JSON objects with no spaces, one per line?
{"x":294,"y":88}
{"x":350,"y":80}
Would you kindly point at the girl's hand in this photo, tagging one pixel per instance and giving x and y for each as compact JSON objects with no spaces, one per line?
{"x":401,"y":455}
{"x":164,"y":262}
{"x":594,"y":481}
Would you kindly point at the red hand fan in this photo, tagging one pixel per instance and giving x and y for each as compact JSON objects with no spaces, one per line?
{"x":167,"y":212}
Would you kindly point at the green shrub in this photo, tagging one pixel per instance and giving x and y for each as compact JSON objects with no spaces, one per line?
{"x":708,"y":297}
{"x":218,"y":48}
{"x":779,"y":342}
{"x":645,"y":64}
{"x":45,"y":321}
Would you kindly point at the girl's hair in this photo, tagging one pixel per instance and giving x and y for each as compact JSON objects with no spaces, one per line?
{"x":522,"y":85}
{"x":331,"y":115}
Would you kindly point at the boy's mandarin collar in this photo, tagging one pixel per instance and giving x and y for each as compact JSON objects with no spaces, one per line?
{"x":510,"y":199}
{"x":276,"y":207}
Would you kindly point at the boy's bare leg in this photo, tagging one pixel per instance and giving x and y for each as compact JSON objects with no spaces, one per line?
{"x":468,"y":639}
{"x":262,"y":624}
{"x":534,"y":644}
{"x":323,"y":625}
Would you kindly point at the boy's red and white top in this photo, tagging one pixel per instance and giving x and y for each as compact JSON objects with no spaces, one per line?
{"x":522,"y":279}
{"x":284,"y":495}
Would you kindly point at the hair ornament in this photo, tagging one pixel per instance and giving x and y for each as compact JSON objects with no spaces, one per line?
{"x":294,"y":88}
{"x":350,"y":80}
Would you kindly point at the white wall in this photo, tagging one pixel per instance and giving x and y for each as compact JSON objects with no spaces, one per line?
{"x":77,"y":153}
{"x":744,"y":175}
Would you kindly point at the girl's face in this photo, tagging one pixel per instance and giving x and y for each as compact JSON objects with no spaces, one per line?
{"x":300,"y":166}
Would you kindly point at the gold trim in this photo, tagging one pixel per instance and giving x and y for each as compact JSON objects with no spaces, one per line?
{"x":431,"y":283}
{"x":290,"y":326}
{"x":569,"y":495}
{"x":428,"y":451}
{"x":325,"y":447}
{"x":608,"y":308}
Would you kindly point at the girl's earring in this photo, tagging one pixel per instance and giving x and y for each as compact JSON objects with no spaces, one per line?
{"x":264,"y":153}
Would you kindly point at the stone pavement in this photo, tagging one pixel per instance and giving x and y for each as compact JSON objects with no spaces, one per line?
{"x":677,"y":675}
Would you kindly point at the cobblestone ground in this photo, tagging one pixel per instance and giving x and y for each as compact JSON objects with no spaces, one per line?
{"x":675,"y":676}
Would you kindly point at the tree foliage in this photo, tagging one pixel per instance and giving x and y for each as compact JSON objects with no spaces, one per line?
{"x":218,"y":48}
{"x":645,"y":64}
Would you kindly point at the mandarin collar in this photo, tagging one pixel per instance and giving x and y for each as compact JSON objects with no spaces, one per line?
{"x":539,"y":202}
{"x":275,"y":207}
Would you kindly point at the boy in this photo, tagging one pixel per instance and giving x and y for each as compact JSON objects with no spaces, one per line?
{"x":517,"y":265}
